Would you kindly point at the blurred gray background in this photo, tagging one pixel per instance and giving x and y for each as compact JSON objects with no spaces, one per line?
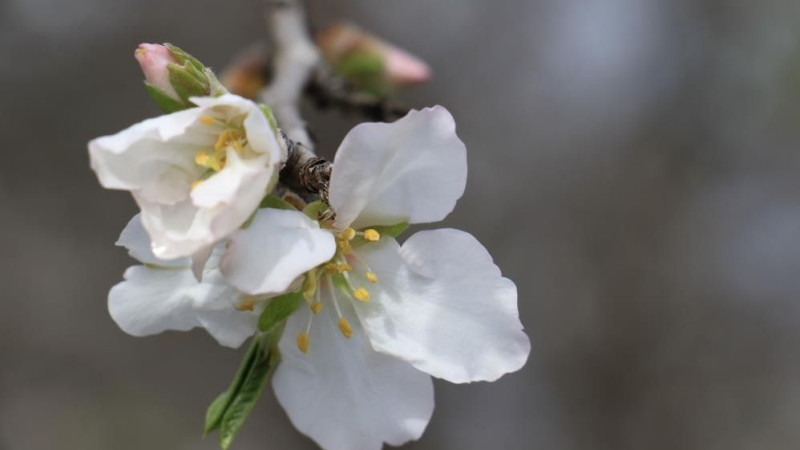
{"x":633,"y":167}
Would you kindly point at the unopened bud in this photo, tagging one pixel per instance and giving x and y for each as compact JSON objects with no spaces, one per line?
{"x":154,"y":59}
{"x":369,"y":62}
{"x":173,"y":76}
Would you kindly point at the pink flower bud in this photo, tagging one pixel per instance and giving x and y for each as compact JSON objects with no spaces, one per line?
{"x":153,"y":58}
{"x":404,"y":68}
{"x":401,"y":68}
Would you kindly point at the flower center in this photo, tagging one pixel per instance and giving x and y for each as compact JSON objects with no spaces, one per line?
{"x":335,"y":275}
{"x":232,"y":137}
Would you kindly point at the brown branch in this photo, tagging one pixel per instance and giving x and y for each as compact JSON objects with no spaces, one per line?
{"x":293,"y":59}
{"x":327,"y":89}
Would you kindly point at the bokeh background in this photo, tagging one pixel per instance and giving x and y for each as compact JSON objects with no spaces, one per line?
{"x":633,"y":167}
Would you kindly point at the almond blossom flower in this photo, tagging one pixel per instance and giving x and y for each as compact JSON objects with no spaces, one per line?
{"x":381,"y":317}
{"x":165,"y":295}
{"x":196,"y":174}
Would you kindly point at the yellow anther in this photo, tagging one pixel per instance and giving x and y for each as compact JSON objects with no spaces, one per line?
{"x":247,"y":304}
{"x":316,"y":307}
{"x":344,"y":267}
{"x":201,"y":158}
{"x":372,"y":235}
{"x":331,"y":268}
{"x":345,"y":328}
{"x":303,"y":342}
{"x":344,"y":246}
{"x":229,"y":137}
{"x":347,"y":234}
{"x":207,"y":120}
{"x":372,"y":277}
{"x":212,"y":162}
{"x":361,"y":294}
{"x":196,"y":183}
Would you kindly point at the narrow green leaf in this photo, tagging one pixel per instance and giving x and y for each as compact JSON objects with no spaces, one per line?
{"x":273,"y":201}
{"x":392,"y":230}
{"x":218,"y":407}
{"x":184,"y":83}
{"x":278,"y":309}
{"x":163,"y":100}
{"x":241,"y":405}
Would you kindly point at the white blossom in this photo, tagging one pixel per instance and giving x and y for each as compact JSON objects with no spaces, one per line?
{"x":197,"y":174}
{"x":382,"y":317}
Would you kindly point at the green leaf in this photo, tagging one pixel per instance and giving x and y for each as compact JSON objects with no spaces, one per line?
{"x":218,"y":407}
{"x":272,"y":201}
{"x":391,"y":230}
{"x":184,"y":83}
{"x":314,"y":210}
{"x":163,"y":100}
{"x":266,"y":359}
{"x":278,"y":309}
{"x":270,"y":117}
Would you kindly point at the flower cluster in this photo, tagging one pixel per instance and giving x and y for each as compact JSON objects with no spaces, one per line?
{"x":371,"y":319}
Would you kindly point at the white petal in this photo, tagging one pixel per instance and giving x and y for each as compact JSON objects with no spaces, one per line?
{"x":155,"y":156}
{"x":150,"y":301}
{"x":413,"y":170}
{"x":135,"y":238}
{"x":277,"y":247}
{"x":218,"y":207}
{"x":442,"y":305}
{"x":215,"y":303}
{"x":259,"y":133}
{"x":344,"y":395}
{"x":155,"y":160}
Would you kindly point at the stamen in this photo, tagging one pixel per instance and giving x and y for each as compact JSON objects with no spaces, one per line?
{"x":316,"y":305}
{"x":333,"y":299}
{"x":248,"y":304}
{"x":310,"y":285}
{"x":372,"y":277}
{"x":196,"y":183}
{"x":344,"y":246}
{"x":345,"y":328}
{"x":372,"y":235}
{"x":361,"y":294}
{"x":201,"y":158}
{"x":214,"y":162}
{"x":207,"y":120}
{"x":303,"y":341}
{"x":347,"y":234}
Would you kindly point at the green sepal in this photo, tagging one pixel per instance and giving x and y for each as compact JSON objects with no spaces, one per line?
{"x":366,"y":70}
{"x":275,"y":202}
{"x":184,"y":57}
{"x":270,"y":117}
{"x":218,"y":407}
{"x":315,"y":209}
{"x":278,"y":309}
{"x":266,"y":360}
{"x":391,"y":230}
{"x":163,"y":100}
{"x":185,"y":84}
